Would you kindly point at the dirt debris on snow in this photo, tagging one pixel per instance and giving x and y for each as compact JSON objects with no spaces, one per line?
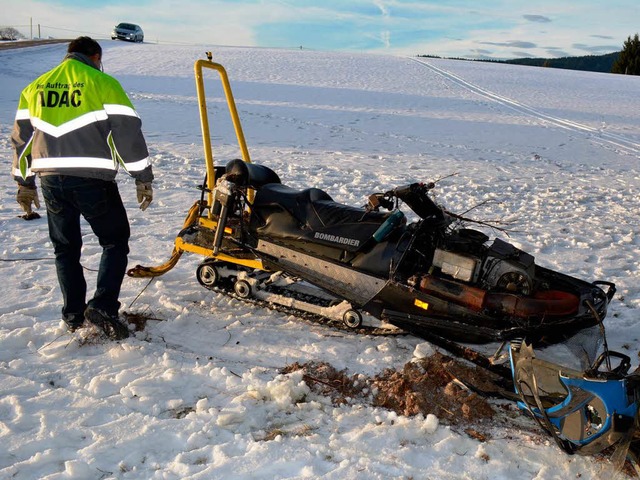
{"x":429,"y":386}
{"x":423,"y":386}
{"x":324,"y":379}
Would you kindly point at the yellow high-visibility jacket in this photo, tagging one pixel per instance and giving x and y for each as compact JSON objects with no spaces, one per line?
{"x":76,"y":120}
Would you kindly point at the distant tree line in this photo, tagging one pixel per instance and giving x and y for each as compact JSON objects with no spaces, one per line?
{"x":625,"y":62}
{"x":10,"y":33}
{"x":592,"y":63}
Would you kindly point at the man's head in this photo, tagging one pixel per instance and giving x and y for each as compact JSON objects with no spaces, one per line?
{"x":87,"y":46}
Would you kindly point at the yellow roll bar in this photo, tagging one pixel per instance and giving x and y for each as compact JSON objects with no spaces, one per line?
{"x":204,"y":119}
{"x":193,"y":217}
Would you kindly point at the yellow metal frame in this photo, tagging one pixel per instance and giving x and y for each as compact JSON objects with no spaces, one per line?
{"x":199,"y":67}
{"x":193,"y":217}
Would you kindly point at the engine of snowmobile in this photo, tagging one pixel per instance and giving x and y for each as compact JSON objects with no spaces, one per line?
{"x":464,"y":255}
{"x":491,"y":277}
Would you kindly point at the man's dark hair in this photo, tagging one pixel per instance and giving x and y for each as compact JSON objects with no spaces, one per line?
{"x":85,"y":45}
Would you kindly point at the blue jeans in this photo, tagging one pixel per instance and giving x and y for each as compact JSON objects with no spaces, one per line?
{"x":99,"y":202}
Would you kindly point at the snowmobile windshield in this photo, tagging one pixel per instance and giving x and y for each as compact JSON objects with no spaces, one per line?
{"x":585,"y":411}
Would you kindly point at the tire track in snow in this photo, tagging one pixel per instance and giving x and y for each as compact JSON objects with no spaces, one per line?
{"x":620,"y":142}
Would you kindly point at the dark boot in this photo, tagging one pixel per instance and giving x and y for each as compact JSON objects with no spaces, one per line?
{"x":109,"y":324}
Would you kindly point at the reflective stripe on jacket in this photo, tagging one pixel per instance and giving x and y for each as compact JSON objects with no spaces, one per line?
{"x":77,"y":120}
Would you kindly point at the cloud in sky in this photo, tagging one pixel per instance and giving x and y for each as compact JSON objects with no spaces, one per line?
{"x":512,"y":44}
{"x":537,"y":18}
{"x":456,"y":28}
{"x":383,"y":8}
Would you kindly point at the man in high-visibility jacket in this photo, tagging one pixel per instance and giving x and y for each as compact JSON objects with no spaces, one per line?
{"x":74,"y":127}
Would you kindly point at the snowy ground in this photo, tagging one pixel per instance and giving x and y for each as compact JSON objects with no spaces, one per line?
{"x":198,"y":393}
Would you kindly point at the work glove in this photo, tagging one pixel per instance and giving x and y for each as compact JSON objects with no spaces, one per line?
{"x":144,"y":190}
{"x":25,"y":197}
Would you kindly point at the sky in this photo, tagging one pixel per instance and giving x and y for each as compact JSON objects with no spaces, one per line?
{"x":498,"y":29}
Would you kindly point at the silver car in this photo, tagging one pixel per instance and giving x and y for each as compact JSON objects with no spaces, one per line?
{"x":128,"y":31}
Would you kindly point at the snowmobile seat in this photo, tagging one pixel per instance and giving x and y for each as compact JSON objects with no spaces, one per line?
{"x":251,"y":175}
{"x":283,"y":212}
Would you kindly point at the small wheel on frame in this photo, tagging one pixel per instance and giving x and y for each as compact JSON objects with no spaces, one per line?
{"x":242,"y":289}
{"x":352,"y":318}
{"x":207,"y":275}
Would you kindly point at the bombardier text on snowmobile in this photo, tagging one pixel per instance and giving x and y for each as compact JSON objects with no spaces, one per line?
{"x":432,"y":277}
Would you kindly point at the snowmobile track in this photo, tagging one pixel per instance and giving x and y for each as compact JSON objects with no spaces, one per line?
{"x":604,"y":139}
{"x":308,"y":316}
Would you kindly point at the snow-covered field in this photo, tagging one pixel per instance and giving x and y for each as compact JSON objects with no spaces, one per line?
{"x":198,"y":393}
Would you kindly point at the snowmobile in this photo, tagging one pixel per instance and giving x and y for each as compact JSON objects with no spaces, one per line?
{"x":421,"y":275}
{"x":405,"y":261}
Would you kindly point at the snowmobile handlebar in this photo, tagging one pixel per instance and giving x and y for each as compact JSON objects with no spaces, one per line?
{"x":416,"y":196}
{"x":412,"y":188}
